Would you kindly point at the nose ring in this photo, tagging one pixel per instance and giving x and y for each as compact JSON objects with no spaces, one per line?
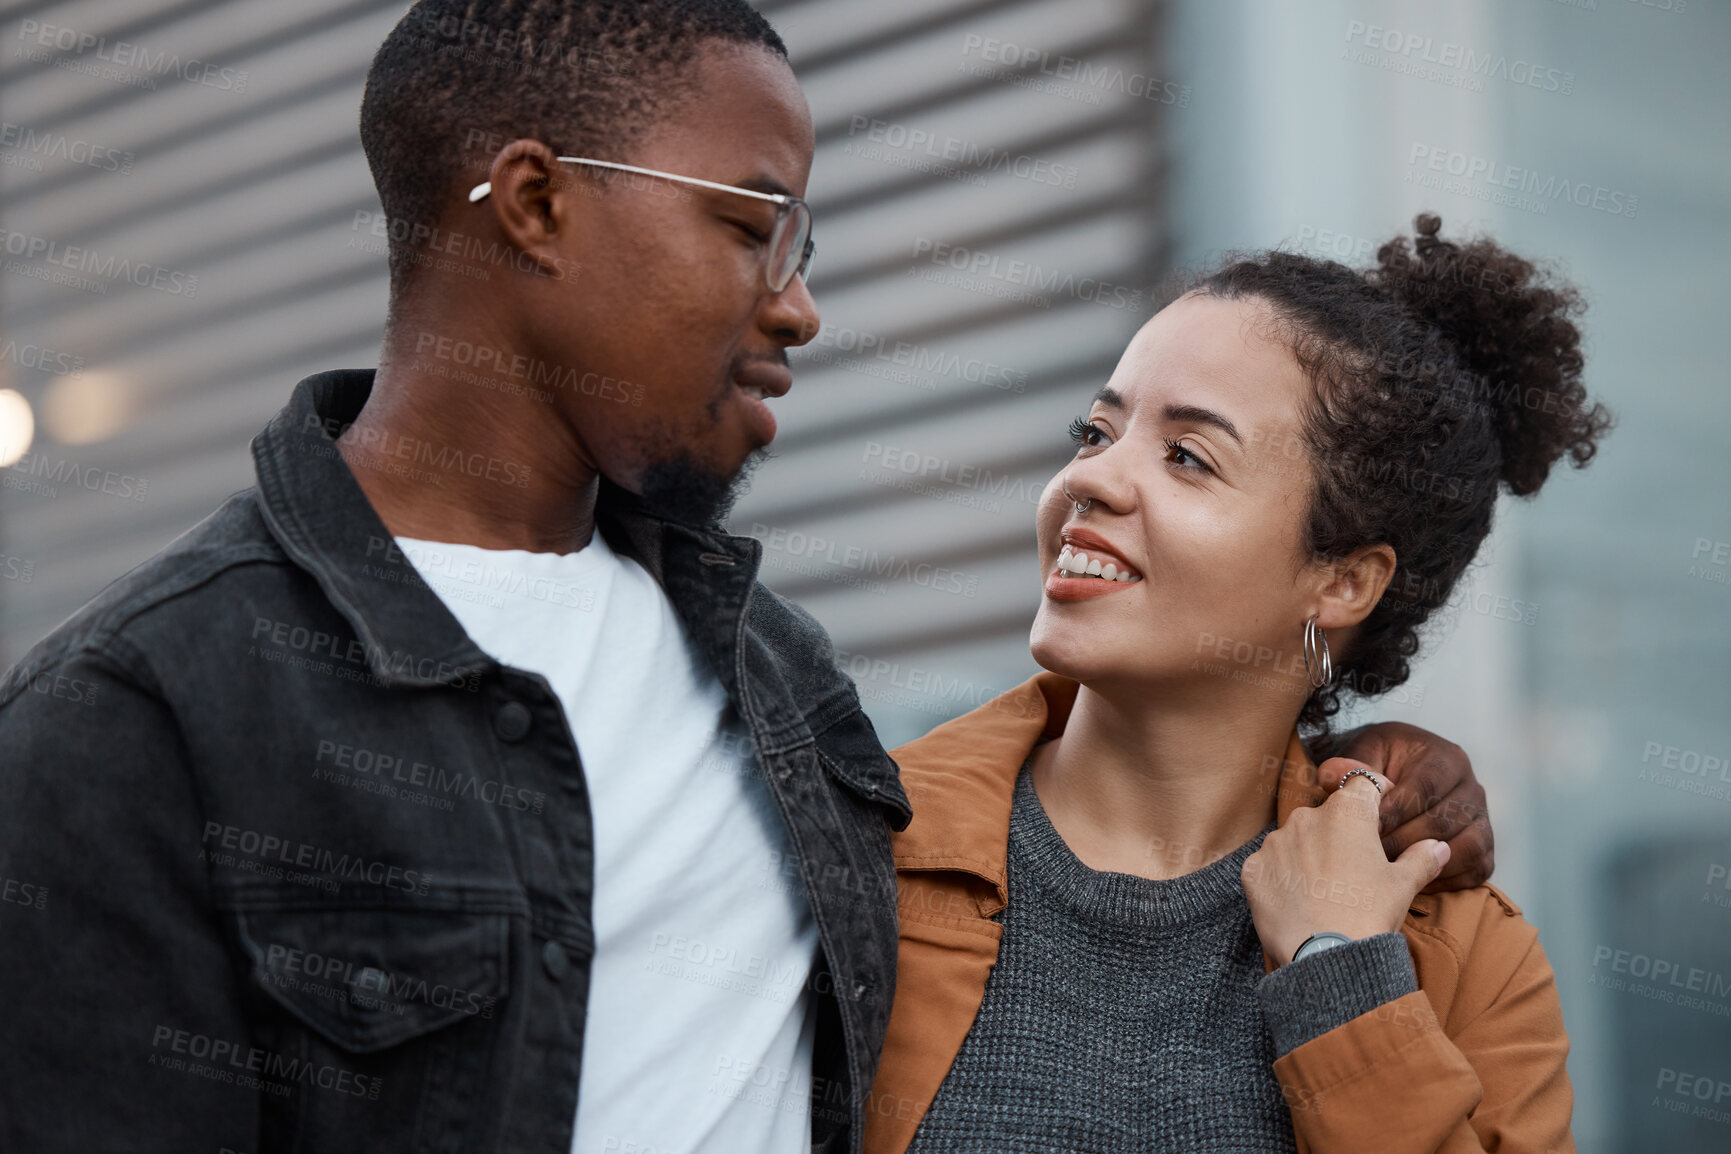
{"x":1081,"y":506}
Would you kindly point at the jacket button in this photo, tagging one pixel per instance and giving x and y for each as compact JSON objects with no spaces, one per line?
{"x":557,"y":962}
{"x":512,"y":721}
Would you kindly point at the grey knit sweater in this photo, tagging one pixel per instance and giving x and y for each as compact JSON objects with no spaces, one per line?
{"x":1127,"y":1014}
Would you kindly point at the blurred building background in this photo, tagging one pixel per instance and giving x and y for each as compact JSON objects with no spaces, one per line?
{"x":1000,"y":188}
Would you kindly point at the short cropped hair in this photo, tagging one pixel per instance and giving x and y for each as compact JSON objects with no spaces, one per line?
{"x":457,"y":79}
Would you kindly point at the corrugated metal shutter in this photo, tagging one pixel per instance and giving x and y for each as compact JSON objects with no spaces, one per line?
{"x":987,"y":218}
{"x":205,"y":157}
{"x":218,"y":258}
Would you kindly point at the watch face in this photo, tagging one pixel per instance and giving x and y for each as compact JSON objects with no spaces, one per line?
{"x":1316,"y":943}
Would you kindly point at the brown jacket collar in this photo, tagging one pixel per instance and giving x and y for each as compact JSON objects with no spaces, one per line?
{"x":963,"y":773}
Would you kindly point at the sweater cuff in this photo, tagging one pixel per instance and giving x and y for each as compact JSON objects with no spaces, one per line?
{"x":1305,"y":1000}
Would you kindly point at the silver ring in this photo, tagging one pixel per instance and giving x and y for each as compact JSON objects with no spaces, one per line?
{"x":1364,"y":772}
{"x":1081,"y":506}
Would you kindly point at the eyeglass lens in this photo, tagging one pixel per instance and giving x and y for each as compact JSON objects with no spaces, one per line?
{"x":790,"y":250}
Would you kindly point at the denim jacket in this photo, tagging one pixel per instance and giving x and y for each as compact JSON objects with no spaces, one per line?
{"x":289,"y":864}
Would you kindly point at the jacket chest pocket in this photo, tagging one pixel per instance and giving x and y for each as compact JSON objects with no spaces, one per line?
{"x":377,"y":1028}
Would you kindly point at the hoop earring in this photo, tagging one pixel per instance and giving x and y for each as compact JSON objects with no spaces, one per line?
{"x":1316,"y":656}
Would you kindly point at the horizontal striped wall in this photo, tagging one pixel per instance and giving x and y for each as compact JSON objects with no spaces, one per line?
{"x":988,"y":220}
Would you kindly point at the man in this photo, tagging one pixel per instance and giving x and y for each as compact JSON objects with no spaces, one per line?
{"x":457,"y":787}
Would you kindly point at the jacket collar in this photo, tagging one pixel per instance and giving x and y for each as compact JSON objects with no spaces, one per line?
{"x":961,"y":779}
{"x":322,"y":519}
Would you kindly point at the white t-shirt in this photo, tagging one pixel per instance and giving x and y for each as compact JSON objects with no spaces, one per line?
{"x":699,"y":1035}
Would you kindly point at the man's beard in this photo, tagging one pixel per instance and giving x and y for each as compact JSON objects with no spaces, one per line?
{"x":679,"y":489}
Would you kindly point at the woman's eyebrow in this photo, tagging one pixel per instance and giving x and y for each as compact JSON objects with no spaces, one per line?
{"x":1193,"y":414}
{"x":1197,"y":415}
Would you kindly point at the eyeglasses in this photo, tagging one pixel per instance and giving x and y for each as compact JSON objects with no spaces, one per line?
{"x":790,"y":243}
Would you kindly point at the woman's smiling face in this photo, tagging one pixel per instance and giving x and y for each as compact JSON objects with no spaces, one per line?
{"x":1192,"y":458}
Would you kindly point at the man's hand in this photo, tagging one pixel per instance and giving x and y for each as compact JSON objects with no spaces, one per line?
{"x":1434,"y":795}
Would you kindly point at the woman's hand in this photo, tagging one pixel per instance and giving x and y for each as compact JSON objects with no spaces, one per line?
{"x":1435,"y":795}
{"x":1325,"y":869}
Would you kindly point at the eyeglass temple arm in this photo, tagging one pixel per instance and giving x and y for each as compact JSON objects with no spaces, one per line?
{"x":480,"y":191}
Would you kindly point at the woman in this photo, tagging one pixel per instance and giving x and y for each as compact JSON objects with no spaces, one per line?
{"x":1112,"y":869}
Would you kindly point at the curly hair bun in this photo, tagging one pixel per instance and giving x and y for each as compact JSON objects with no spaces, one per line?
{"x":1440,"y":376}
{"x":1514,"y":330}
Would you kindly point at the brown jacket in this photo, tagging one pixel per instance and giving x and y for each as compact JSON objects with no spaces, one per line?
{"x":1473,"y":1061}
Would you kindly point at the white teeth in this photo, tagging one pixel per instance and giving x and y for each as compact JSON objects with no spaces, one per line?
{"x":752,"y":391}
{"x":1079,"y":564}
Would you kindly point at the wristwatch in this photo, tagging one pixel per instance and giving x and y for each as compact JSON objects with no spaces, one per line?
{"x":1316,"y":943}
